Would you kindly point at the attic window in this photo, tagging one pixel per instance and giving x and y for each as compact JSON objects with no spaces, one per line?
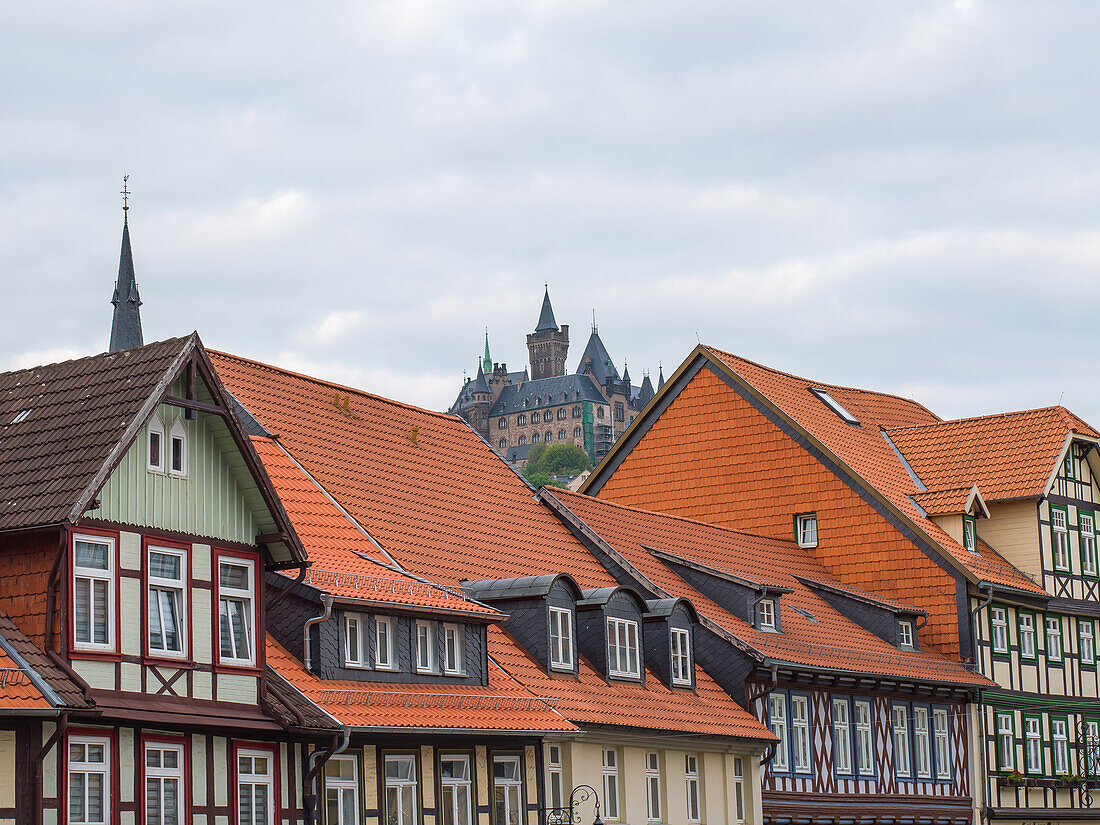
{"x":21,"y":416}
{"x":835,"y":406}
{"x":805,"y":529}
{"x":969,"y":540}
{"x":154,"y":453}
{"x":905,"y":635}
{"x":765,"y":615}
{"x":177,"y":455}
{"x":806,"y":614}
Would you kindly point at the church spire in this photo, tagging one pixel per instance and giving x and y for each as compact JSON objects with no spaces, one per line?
{"x":126,"y":322}
{"x":546,"y":317}
{"x":487,"y":361}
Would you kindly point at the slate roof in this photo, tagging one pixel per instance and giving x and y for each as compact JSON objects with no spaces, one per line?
{"x":126,"y":318}
{"x":79,"y":414}
{"x":546,"y":315}
{"x":603,"y":368}
{"x":545,"y":392}
{"x":28,"y":679}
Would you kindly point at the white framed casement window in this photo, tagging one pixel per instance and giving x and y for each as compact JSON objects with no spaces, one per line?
{"x":1086,"y":533}
{"x":765,"y":615}
{"x":555,"y":781}
{"x":865,"y":743}
{"x":425,"y":647}
{"x":154,"y":445}
{"x":399,"y":778}
{"x":622,"y":648}
{"x":164,"y":786}
{"x":1053,"y":626}
{"x":561,"y":638}
{"x":342,"y":790}
{"x":1059,"y":746}
{"x":93,"y":593}
{"x":1086,"y":642}
{"x":167,"y":602}
{"x":738,"y":790}
{"x":255,"y":787}
{"x":454,"y":789}
{"x":1033,"y":744}
{"x":681,"y":656}
{"x":653,"y":786}
{"x":899,"y":716}
{"x":1006,"y":742}
{"x":691,"y":782}
{"x":89,"y":780}
{"x":236,"y":611}
{"x":1027,"y":635}
{"x":177,"y":449}
{"x":805,"y":529}
{"x":905,"y":634}
{"x":941,"y":740}
{"x":385,"y":643}
{"x":611,"y":784}
{"x":454,"y":650}
{"x":800,"y":733}
{"x":353,"y":640}
{"x":507,"y":790}
{"x":1092,"y":747}
{"x":1059,"y":538}
{"x":970,"y":535}
{"x":922,"y":742}
{"x":998,"y":620}
{"x":842,"y":737}
{"x":777,"y":721}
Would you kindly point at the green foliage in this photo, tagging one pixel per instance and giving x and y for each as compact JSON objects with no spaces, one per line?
{"x":556,"y":459}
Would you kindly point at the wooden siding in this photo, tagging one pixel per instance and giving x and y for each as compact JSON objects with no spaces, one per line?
{"x":1012,"y":530}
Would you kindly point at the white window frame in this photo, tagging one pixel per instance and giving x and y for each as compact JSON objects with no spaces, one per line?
{"x":865,"y":736}
{"x":555,"y":782}
{"x":998,"y":634}
{"x":388,"y":643}
{"x":922,"y":742}
{"x":1027,"y":635}
{"x":454,"y":647}
{"x":777,"y":721}
{"x":354,"y":640}
{"x":1092,"y":748}
{"x":765,"y":615}
{"x":87,"y":769}
{"x":653,"y":800}
{"x":1059,"y":532}
{"x":510,"y":785}
{"x":691,"y":787}
{"x":177,"y":433}
{"x":1086,"y":642}
{"x":155,"y":426}
{"x":806,"y":529}
{"x":738,"y":790}
{"x":802,"y":756}
{"x":456,"y":783}
{"x":903,"y":758}
{"x":247,"y":595}
{"x":970,"y":534}
{"x":1087,"y":538}
{"x":680,"y":640}
{"x":561,"y":638}
{"x":623,"y":651}
{"x":342,"y":787}
{"x":164,"y":774}
{"x":1059,"y":746}
{"x":426,"y":653}
{"x":178,"y":587}
{"x":398,"y":784}
{"x":941,"y":742}
{"x":256,"y":780}
{"x":610,"y":761}
{"x":92,"y":575}
{"x":842,"y":737}
{"x":905,"y":634}
{"x":1053,"y":637}
{"x":1033,"y":745}
{"x":1006,"y":742}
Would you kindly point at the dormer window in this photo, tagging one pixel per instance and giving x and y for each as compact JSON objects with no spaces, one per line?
{"x":681,"y":656}
{"x":385,"y":643}
{"x":805,"y":529}
{"x":561,"y":638}
{"x":353,"y":640}
{"x":425,"y":647}
{"x":905,"y":634}
{"x":766,"y":616}
{"x":970,"y":538}
{"x":454,"y":650}
{"x":154,"y":440}
{"x":623,"y":657}
{"x":177,"y":449}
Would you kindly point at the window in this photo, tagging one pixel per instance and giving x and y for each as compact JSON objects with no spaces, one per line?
{"x":502,"y":423}
{"x":922,"y":743}
{"x":341,"y":791}
{"x":691,"y":780}
{"x":900,"y":717}
{"x":235,"y":611}
{"x":765,"y":615}
{"x":1086,"y":633}
{"x":1027,"y":635}
{"x":1086,"y":530}
{"x":455,"y":795}
{"x":561,"y":435}
{"x":549,"y":436}
{"x":522,"y":440}
{"x":166,"y":603}
{"x":738,"y":790}
{"x":805,"y":529}
{"x":800,"y":733}
{"x":1059,"y":537}
{"x":561,"y":415}
{"x":653,"y":786}
{"x":1054,"y":638}
{"x":255,"y":787}
{"x":503,"y":443}
{"x":164,"y":788}
{"x":89,"y":766}
{"x":622,"y":648}
{"x":177,"y":449}
{"x":620,"y":412}
{"x":521,"y":419}
{"x":1033,"y":739}
{"x":905,"y":634}
{"x":385,"y":643}
{"x":507,"y":793}
{"x":681,"y":656}
{"x":998,"y":618}
{"x":577,"y":432}
{"x":777,"y":721}
{"x":835,"y":406}
{"x":577,"y":411}
{"x":425,"y":647}
{"x":1067,"y":465}
{"x":353,"y":640}
{"x":400,"y":788}
{"x":93,"y":593}
{"x":1006,"y":742}
{"x":1092,"y":747}
{"x":970,"y":539}
{"x":1059,"y":746}
{"x":611,"y":783}
{"x":154,"y":440}
{"x":865,"y":747}
{"x":842,"y":737}
{"x":454,"y":649}
{"x":555,"y":781}
{"x":535,"y":438}
{"x":941,"y":738}
{"x":561,"y":638}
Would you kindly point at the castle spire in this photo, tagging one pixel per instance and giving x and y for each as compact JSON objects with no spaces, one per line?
{"x":126,"y":321}
{"x":660,"y":375}
{"x":546,"y":317}
{"x":487,"y":361}
{"x":626,"y":372}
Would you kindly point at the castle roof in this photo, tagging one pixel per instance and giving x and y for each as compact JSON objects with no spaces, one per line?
{"x":545,"y":392}
{"x":603,"y":368}
{"x":546,"y":317}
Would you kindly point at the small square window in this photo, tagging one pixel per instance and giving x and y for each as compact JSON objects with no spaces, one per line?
{"x":765,"y":615}
{"x":905,"y":634}
{"x":805,"y":529}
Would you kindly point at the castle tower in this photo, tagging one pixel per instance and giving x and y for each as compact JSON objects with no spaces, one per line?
{"x":548,"y":345}
{"x":126,"y":321}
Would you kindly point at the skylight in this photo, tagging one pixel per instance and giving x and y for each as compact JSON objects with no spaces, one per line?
{"x":834,"y":405}
{"x":21,"y":416}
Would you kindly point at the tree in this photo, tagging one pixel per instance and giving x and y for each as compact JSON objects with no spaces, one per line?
{"x":556,"y":459}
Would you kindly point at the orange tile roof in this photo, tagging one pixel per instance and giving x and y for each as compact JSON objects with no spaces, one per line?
{"x":17,"y":691}
{"x":828,"y":640}
{"x":1010,"y":455}
{"x":943,"y":502}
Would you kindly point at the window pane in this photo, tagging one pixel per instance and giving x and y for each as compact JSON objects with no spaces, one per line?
{"x":91,"y":555}
{"x":234,"y":575}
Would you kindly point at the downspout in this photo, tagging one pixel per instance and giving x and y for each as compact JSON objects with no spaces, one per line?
{"x":988,"y":589}
{"x":317,"y":761}
{"x":282,"y":594}
{"x":51,"y":607}
{"x":59,"y":731}
{"x":973,"y":664}
{"x":307,"y":659}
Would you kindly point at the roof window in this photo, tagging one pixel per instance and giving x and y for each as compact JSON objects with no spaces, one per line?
{"x":805,"y":614}
{"x":21,"y":416}
{"x":834,"y":405}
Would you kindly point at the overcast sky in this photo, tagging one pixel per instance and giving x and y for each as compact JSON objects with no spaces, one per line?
{"x":899,"y":195}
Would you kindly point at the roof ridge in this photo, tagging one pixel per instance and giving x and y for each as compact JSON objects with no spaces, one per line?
{"x":1055,"y":408}
{"x":102,"y":354}
{"x":333,"y":384}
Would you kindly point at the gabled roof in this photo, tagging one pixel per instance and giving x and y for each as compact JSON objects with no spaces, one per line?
{"x":951,"y":502}
{"x":546,"y":315}
{"x":1008,"y":456}
{"x":29,"y":681}
{"x":603,"y":368}
{"x":821,"y":637}
{"x":543,"y":392}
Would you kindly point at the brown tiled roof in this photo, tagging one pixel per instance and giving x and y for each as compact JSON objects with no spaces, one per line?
{"x":37,"y":670}
{"x":79,"y":414}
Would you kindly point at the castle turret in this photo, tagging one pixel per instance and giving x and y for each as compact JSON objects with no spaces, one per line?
{"x":548,"y":345}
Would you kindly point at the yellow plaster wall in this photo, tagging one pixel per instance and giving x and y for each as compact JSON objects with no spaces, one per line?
{"x":1012,"y":529}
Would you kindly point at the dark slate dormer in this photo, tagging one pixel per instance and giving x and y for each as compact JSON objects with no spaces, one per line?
{"x":529,"y":602}
{"x":875,"y":614}
{"x":598,"y":613}
{"x":664,"y":619}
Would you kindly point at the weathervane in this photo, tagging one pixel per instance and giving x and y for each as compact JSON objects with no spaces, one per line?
{"x":125,"y":196}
